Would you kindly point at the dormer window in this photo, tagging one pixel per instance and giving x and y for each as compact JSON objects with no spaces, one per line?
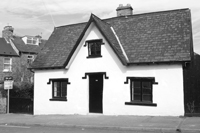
{"x":94,"y":48}
{"x":31,"y":40}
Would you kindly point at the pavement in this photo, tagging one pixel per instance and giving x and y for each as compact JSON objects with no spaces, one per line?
{"x":139,"y":123}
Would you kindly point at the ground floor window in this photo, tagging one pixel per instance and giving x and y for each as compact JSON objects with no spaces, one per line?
{"x":59,"y":89}
{"x":141,"y":91}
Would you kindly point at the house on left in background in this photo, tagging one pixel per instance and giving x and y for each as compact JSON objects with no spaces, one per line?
{"x":16,"y":54}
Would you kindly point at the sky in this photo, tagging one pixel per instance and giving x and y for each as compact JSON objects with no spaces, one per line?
{"x":39,"y":17}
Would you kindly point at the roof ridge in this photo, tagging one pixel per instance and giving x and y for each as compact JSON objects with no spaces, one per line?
{"x":123,"y":16}
{"x":71,"y":24}
{"x":146,"y":13}
{"x":102,"y":20}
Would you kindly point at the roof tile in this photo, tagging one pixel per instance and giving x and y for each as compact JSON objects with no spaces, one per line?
{"x":152,"y":37}
{"x":6,"y":48}
{"x":22,"y":47}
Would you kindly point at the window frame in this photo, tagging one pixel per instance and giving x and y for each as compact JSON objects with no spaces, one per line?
{"x":97,"y":44}
{"x":141,"y":80}
{"x":31,"y":39}
{"x":59,"y":80}
{"x":9,"y":64}
{"x":30,"y":60}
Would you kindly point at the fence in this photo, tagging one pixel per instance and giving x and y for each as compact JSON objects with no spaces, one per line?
{"x":21,"y":105}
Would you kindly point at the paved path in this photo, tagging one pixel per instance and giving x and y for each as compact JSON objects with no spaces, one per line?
{"x":148,"y":123}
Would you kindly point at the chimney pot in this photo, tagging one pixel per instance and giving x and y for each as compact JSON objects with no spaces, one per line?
{"x":124,"y":10}
{"x":120,"y":5}
{"x":7,"y":32}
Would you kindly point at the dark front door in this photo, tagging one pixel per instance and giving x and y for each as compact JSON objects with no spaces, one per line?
{"x":95,"y":93}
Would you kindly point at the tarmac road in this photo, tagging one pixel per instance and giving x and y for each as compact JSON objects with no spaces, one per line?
{"x":22,"y":123}
{"x":48,"y":129}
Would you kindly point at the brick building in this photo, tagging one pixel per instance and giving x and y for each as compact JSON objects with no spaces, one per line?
{"x":16,"y":54}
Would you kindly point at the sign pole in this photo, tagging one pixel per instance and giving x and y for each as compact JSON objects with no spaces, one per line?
{"x":8,"y":101}
{"x":8,"y":84}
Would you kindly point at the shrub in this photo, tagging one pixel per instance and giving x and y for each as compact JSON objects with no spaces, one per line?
{"x":22,"y":90}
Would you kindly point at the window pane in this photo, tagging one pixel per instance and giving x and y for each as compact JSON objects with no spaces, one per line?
{"x":7,"y":60}
{"x":146,"y":98}
{"x":64,"y":89}
{"x":137,"y":90}
{"x":146,"y":84}
{"x":137,"y":97}
{"x":34,"y":41}
{"x":146,"y":87}
{"x":29,"y":41}
{"x":98,"y":49}
{"x":7,"y":67}
{"x":94,"y":48}
{"x":146,"y":91}
{"x":56,"y":89}
{"x":89,"y":49}
{"x":136,"y":84}
{"x":30,"y":59}
{"x":136,"y":87}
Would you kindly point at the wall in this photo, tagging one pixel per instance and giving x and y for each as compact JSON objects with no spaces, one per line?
{"x":168,"y":94}
{"x":19,"y":73}
{"x":3,"y":93}
{"x":191,"y":87}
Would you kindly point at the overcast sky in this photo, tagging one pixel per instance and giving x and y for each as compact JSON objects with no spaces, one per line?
{"x":33,"y":17}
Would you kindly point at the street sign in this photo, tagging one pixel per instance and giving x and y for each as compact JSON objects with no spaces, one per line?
{"x":8,"y":82}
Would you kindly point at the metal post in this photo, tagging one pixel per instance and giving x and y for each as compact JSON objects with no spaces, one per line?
{"x":8,"y":101}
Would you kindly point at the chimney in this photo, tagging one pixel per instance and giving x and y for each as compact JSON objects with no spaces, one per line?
{"x":39,"y":38}
{"x":7,"y":32}
{"x":124,"y":10}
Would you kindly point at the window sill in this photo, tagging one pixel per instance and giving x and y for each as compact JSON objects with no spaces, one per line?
{"x":141,"y":103}
{"x":94,"y":56}
{"x":58,"y":99}
{"x":6,"y":71}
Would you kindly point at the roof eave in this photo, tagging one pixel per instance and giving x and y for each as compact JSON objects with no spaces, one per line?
{"x":10,"y":55}
{"x":46,"y":68}
{"x":158,"y":62}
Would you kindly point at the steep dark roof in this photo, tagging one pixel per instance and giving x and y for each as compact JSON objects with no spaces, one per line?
{"x":105,"y":29}
{"x":155,"y":37}
{"x":22,"y":47}
{"x":146,"y":38}
{"x":59,"y":46}
{"x":6,"y":48}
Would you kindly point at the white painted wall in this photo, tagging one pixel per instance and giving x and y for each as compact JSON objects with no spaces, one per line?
{"x":168,"y":94}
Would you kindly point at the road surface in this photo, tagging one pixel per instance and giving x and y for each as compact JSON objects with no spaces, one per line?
{"x":45,"y":129}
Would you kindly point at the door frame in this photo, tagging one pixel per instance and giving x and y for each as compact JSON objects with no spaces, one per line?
{"x":94,"y":73}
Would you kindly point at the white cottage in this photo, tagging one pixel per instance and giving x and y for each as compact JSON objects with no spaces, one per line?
{"x":126,"y":65}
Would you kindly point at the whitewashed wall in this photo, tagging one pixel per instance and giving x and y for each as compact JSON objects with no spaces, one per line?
{"x":168,"y":94}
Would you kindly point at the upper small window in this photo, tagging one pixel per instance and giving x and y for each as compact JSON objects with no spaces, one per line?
{"x":94,"y":48}
{"x":59,"y":89}
{"x":7,"y":64}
